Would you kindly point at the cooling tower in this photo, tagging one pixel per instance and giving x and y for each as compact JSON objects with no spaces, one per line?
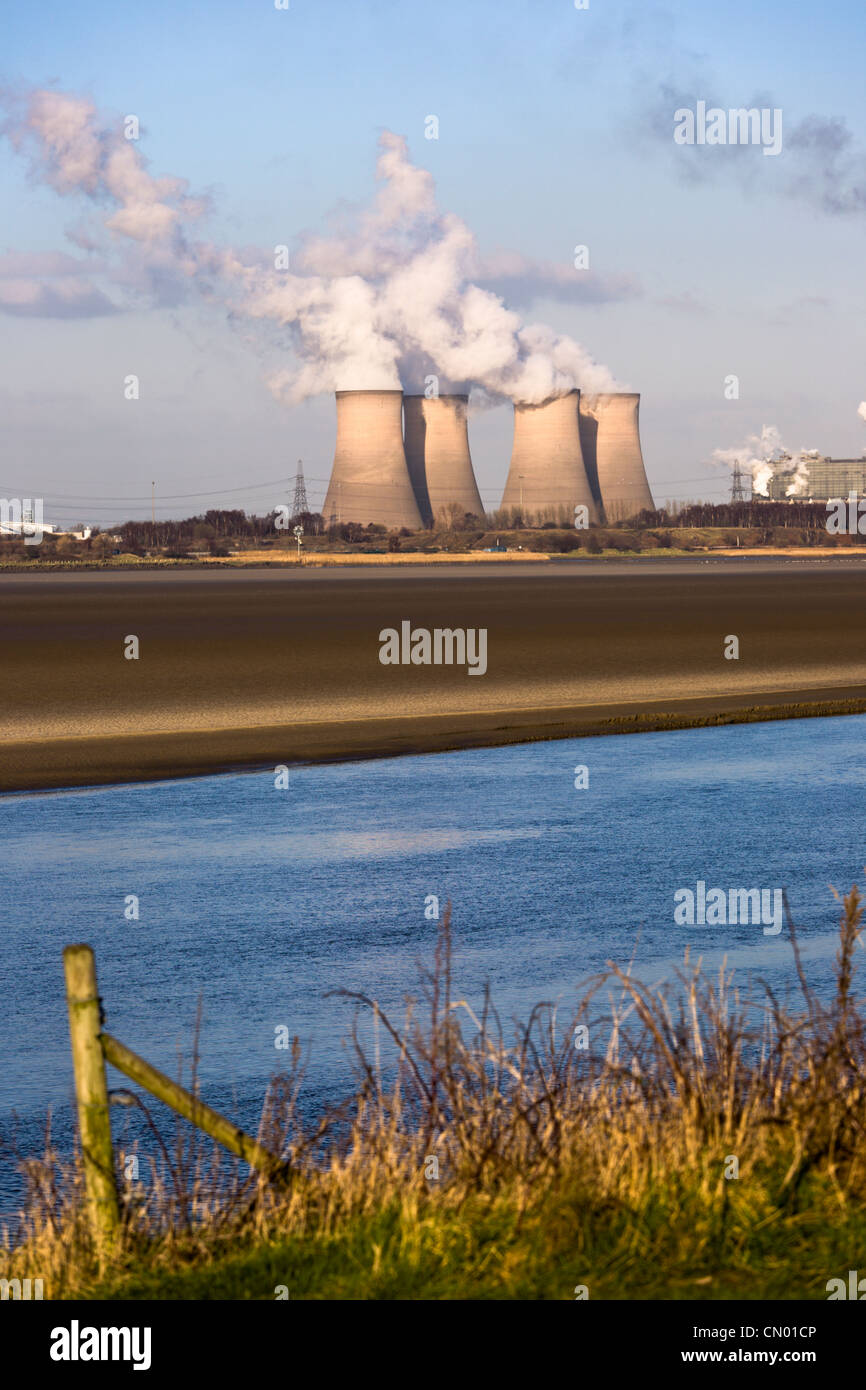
{"x":369,"y":478}
{"x":547,"y":478}
{"x":437,"y":452}
{"x":611,"y":448}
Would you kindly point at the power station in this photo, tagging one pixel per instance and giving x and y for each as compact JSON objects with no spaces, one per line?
{"x":568,"y":451}
{"x":547,"y":478}
{"x":817,"y":479}
{"x":610,"y":437}
{"x":437,"y":452}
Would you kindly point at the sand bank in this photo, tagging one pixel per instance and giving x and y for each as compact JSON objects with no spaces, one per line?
{"x":270,"y":666}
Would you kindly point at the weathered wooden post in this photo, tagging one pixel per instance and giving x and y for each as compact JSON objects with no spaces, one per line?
{"x":193,"y":1109}
{"x":91,"y":1090}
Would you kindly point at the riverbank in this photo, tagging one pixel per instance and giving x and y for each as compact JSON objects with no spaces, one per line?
{"x":31,"y":765}
{"x":718,"y":1158}
{"x":249,"y":667}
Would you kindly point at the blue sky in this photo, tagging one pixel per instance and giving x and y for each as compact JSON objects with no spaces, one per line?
{"x":546,"y":140}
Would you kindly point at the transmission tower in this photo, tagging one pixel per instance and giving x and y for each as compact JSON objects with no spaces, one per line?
{"x":739,"y":491}
{"x":300,"y":503}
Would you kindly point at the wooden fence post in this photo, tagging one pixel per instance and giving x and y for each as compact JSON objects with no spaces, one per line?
{"x":193,"y":1109}
{"x":91,"y":1090}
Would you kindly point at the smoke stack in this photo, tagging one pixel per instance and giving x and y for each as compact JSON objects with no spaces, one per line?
{"x":369,"y":478}
{"x":547,"y":478}
{"x":437,"y":452}
{"x":611,"y":447}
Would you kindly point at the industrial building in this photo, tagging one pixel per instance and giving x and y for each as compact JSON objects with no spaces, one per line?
{"x":370,"y":478}
{"x":547,"y":478}
{"x":568,"y":451}
{"x":610,"y":437}
{"x":437,"y":452}
{"x":827,"y":478}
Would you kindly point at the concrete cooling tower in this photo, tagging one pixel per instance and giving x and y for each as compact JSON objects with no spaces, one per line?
{"x":437,"y":452}
{"x":611,"y":447}
{"x":369,"y":478}
{"x":547,"y":478}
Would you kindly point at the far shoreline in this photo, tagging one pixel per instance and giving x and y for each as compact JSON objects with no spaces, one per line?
{"x":320,"y":560}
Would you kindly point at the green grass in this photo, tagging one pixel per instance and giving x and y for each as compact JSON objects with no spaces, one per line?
{"x":674,"y":1247}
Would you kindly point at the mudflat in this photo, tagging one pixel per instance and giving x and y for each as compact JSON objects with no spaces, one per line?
{"x":238,"y":668}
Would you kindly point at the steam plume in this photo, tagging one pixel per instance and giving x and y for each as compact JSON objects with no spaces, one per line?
{"x":395,"y":298}
{"x":398,"y":294}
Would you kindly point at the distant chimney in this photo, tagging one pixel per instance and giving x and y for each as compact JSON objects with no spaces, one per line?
{"x":611,"y":447}
{"x":547,"y":478}
{"x":437,"y":452}
{"x":369,"y":478}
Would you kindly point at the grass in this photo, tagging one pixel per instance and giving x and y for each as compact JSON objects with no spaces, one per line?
{"x":701,"y":1146}
{"x":669,"y":1246}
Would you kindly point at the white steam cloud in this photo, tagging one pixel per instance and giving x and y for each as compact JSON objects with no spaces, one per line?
{"x":395,"y":298}
{"x":861,"y":410}
{"x":70,"y":152}
{"x":399,"y":294}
